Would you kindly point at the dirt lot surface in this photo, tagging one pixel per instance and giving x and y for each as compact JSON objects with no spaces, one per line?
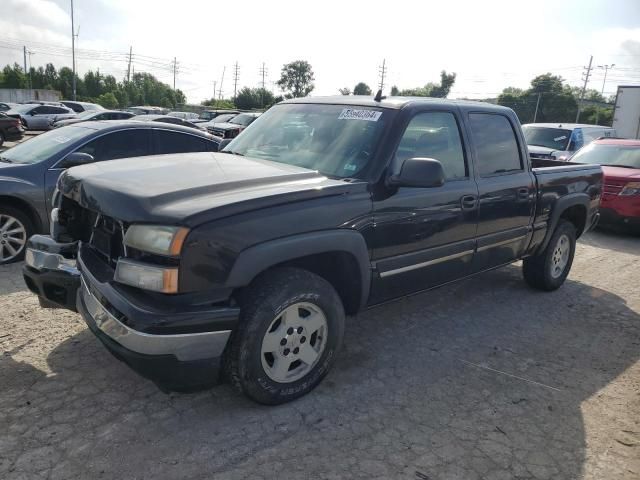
{"x":485,"y":379}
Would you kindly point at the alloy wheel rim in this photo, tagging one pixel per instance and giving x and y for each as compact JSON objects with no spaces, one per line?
{"x":294,"y":342}
{"x":560,"y":257}
{"x":13,"y":237}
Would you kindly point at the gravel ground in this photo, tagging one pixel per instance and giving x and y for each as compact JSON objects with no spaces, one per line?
{"x":485,"y":379}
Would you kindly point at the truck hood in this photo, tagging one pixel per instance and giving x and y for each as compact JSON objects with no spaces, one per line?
{"x":192,"y":188}
{"x":540,"y":150}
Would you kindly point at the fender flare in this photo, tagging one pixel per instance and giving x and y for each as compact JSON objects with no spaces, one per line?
{"x":561,"y":205}
{"x":258,"y":258}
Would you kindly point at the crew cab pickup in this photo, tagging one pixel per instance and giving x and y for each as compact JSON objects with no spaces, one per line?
{"x":242,"y":265}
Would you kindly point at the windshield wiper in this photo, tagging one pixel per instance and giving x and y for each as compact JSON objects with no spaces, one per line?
{"x":233,"y":153}
{"x":5,"y":160}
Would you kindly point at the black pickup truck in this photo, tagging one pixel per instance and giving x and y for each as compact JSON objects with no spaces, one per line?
{"x":242,"y":265}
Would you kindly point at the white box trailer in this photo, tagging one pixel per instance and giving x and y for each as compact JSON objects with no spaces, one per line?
{"x":626,"y":115}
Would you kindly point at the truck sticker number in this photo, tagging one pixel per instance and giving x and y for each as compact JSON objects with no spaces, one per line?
{"x":61,"y":139}
{"x":351,"y":114}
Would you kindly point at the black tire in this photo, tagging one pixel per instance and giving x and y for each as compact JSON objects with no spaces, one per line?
{"x":263,"y":302}
{"x":1,"y":139}
{"x":538,"y":270}
{"x":26,"y":222}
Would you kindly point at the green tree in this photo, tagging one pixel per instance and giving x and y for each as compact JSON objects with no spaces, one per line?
{"x":361,"y":89}
{"x":13,"y":77}
{"x":345,"y":91}
{"x":108,"y":100}
{"x":441,"y":90}
{"x":296,"y":79}
{"x":395,"y":91}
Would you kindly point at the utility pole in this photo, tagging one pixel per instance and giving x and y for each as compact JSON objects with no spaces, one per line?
{"x":383,"y":72}
{"x":129,"y":66}
{"x":73,"y":51}
{"x":214,"y":91}
{"x":535,"y":115}
{"x":236,"y":76}
{"x":30,"y":79}
{"x":263,"y":72}
{"x":224,"y":69}
{"x":584,"y":87}
{"x":24,"y":49}
{"x":604,"y":82}
{"x":175,"y":67}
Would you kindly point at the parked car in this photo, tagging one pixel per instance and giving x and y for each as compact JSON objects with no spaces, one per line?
{"x":38,"y":117}
{"x":321,"y":208}
{"x":167,"y":119}
{"x":225,"y":117}
{"x":557,"y":141}
{"x":209,"y":115}
{"x":184,"y":115}
{"x":234,"y":126}
{"x":11,"y":129}
{"x":80,"y":107}
{"x":4,"y":106}
{"x":620,"y":161}
{"x":29,"y":171}
{"x":146,"y":110}
{"x":91,"y":115}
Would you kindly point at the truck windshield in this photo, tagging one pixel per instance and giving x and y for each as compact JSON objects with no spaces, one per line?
{"x":336,"y":140}
{"x":554,"y":138}
{"x":609,"y":155}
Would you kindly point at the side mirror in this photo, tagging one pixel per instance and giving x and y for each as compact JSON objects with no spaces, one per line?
{"x":419,"y":172}
{"x":224,"y":143}
{"x":31,"y":113}
{"x":76,"y":158}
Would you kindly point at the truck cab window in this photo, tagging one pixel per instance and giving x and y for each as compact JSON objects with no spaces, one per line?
{"x":125,"y":143}
{"x":434,"y":135}
{"x":497,"y":149}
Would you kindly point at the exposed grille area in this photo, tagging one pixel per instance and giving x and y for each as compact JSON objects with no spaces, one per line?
{"x":613,"y":187}
{"x":107,"y":239}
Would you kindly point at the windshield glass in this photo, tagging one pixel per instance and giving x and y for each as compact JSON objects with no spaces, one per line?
{"x":223,"y":118}
{"x":609,"y":155}
{"x":207,"y":115}
{"x":88,"y":114}
{"x":243,"y":120}
{"x":336,"y":140}
{"x":555,"y":138}
{"x":42,"y":147}
{"x":23,"y":108}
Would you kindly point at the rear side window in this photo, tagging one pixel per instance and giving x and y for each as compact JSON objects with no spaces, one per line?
{"x":496,"y":146}
{"x":122,"y":144}
{"x":176,"y":142}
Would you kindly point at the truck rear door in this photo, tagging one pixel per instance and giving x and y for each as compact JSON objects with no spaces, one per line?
{"x":506,"y":187}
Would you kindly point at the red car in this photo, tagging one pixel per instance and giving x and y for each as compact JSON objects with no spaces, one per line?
{"x":620,"y":160}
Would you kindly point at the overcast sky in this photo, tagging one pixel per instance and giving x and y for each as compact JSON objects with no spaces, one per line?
{"x":489,"y":44}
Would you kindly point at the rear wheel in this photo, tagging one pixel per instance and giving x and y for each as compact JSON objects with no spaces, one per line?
{"x":549,"y":269}
{"x":1,"y":138}
{"x":290,"y":330}
{"x":15,"y":229}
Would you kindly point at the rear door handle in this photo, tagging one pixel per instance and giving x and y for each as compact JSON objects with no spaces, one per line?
{"x":523,"y":193}
{"x":468,"y":202}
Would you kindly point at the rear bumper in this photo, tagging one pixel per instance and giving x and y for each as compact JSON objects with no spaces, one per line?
{"x":13,"y":134}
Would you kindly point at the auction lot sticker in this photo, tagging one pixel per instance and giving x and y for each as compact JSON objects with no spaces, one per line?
{"x":352,"y":114}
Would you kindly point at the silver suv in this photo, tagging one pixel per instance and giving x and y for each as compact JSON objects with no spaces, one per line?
{"x":39,"y":117}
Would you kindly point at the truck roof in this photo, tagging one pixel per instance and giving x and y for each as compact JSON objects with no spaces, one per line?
{"x":395,"y":103}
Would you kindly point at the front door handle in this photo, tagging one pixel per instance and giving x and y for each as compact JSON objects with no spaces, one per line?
{"x":523,"y":193}
{"x":468,"y":202}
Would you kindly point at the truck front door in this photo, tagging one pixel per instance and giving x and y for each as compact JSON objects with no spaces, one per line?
{"x":424,"y":237}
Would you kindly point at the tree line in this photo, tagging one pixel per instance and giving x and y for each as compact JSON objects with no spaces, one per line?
{"x":142,"y":89}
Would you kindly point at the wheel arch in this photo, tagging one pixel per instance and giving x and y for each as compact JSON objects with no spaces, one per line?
{"x":339,"y":256}
{"x":23,"y":206}
{"x":574,"y":208}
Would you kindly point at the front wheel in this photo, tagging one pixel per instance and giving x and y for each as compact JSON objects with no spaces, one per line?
{"x":290,"y":330}
{"x":549,"y":269}
{"x":15,"y":229}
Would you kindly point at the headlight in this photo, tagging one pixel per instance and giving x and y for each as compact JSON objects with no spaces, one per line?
{"x":159,"y":239}
{"x":631,"y":188}
{"x":147,"y":277}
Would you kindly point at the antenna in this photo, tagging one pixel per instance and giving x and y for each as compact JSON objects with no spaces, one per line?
{"x":379,"y":97}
